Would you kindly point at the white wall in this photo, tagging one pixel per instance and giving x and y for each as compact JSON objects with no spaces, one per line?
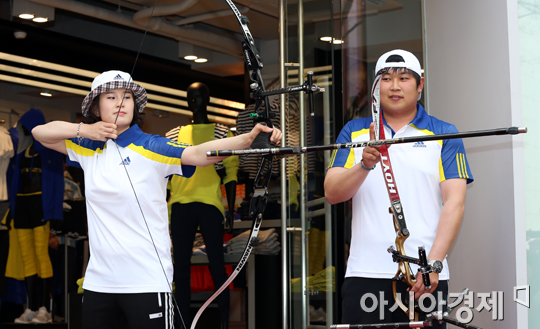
{"x":472,"y":74}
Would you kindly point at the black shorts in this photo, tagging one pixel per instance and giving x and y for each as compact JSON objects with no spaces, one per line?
{"x":138,"y":310}
{"x":371,"y":301}
{"x":28,"y":211}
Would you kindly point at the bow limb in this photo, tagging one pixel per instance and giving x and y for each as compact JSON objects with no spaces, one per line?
{"x":257,"y":207}
{"x":239,"y":266}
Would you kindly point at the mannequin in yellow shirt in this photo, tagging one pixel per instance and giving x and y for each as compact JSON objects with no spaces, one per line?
{"x":197,"y":203}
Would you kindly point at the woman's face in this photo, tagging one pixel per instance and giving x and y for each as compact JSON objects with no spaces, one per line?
{"x":117,"y":106}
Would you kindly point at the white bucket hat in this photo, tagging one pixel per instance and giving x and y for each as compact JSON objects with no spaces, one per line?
{"x":111,"y":80}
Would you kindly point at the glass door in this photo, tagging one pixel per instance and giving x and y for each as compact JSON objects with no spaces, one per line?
{"x":310,"y":266}
{"x":339,"y":42}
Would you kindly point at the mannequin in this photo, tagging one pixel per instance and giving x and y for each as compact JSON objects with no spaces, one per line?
{"x":36,"y":197}
{"x":196,"y":202}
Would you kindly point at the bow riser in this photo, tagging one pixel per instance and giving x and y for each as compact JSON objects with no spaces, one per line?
{"x":404,"y":267}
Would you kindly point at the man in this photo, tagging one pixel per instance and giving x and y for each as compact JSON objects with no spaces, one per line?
{"x":432,"y":178}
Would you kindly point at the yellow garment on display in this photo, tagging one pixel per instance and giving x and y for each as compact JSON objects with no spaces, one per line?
{"x":316,"y":250}
{"x":319,"y":282}
{"x":14,"y":265}
{"x":80,"y":282}
{"x":204,"y":185}
{"x":28,"y":242}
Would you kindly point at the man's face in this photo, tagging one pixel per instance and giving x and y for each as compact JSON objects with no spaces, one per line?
{"x":399,"y":91}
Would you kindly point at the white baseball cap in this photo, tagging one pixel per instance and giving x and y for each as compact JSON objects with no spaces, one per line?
{"x":111,"y":80}
{"x":407,"y":60}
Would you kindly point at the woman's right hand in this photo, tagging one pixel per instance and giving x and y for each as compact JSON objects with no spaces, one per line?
{"x":99,"y":131}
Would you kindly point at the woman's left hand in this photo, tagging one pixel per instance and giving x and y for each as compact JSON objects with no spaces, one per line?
{"x":276,"y":133}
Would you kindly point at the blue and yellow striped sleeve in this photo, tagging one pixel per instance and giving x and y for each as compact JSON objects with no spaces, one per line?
{"x":165,"y":152}
{"x":454,"y":162}
{"x":78,"y":150}
{"x":346,"y":157}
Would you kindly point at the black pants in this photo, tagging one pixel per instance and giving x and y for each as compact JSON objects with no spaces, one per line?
{"x":360,"y":295}
{"x":185,"y":218}
{"x":118,"y":311}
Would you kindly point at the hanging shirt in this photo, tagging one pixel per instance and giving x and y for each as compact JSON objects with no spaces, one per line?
{"x":6,"y":153}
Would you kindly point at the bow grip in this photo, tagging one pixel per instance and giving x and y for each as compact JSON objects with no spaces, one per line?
{"x":262,"y":141}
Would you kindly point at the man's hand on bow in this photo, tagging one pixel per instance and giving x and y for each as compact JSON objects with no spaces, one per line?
{"x":419,"y":289}
{"x":370,"y":154}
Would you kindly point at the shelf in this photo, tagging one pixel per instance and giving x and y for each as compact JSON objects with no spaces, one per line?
{"x":230,"y":259}
{"x":266,"y":223}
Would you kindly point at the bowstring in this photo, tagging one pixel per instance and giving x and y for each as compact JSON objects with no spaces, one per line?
{"x":127,"y":173}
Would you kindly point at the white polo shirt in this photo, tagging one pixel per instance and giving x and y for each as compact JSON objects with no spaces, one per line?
{"x":418,"y":170}
{"x":122,"y":255}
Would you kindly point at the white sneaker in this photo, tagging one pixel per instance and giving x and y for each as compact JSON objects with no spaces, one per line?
{"x":26,"y":317}
{"x":314,"y":316}
{"x":42,"y":316}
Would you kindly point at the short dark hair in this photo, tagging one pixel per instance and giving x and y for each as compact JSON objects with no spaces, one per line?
{"x":400,"y":70}
{"x":94,"y":117}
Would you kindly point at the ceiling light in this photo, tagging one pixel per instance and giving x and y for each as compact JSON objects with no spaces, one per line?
{"x":26,"y":16}
{"x":338,"y":41}
{"x":201,"y":60}
{"x":19,"y":34}
{"x":326,"y":39}
{"x":48,"y":93}
{"x":26,"y":9}
{"x":161,"y":113}
{"x":40,"y":19}
{"x":193,"y":53}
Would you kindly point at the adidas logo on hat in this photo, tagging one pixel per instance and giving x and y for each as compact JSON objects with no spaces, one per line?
{"x":118,"y":77}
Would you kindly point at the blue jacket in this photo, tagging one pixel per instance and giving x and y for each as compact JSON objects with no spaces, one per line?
{"x":52,"y":177}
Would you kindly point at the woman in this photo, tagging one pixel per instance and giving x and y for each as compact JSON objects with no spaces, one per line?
{"x":129,"y":275}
